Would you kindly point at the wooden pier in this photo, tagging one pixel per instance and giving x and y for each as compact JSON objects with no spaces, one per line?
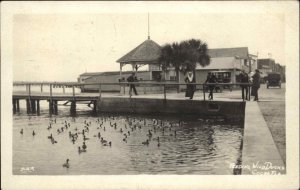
{"x":33,"y":98}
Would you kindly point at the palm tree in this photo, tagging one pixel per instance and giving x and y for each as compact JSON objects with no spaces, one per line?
{"x":184,"y":56}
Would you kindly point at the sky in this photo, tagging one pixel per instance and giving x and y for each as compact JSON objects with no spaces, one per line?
{"x":61,"y":46}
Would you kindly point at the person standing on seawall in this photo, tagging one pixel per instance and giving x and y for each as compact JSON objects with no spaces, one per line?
{"x":255,"y":85}
{"x":190,"y":88}
{"x":244,"y":79}
{"x":132,"y":78}
{"x":211,"y":79}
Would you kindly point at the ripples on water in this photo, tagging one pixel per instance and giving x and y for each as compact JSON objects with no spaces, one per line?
{"x":201,"y":146}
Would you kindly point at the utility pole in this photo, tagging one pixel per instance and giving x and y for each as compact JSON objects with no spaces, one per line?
{"x":148,"y":28}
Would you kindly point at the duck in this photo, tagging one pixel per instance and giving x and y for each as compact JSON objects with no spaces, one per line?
{"x":81,"y":150}
{"x":33,"y":133}
{"x":53,"y":141}
{"x":149,"y":133}
{"x":84,"y":146}
{"x":146,"y":142}
{"x":21,"y":131}
{"x":85,"y":138}
{"x":66,"y":165}
{"x":50,"y":137}
{"x":103,"y":141}
{"x":156,"y":139}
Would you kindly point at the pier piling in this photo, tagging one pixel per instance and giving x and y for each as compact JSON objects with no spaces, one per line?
{"x":38,"y":107}
{"x":33,"y":107}
{"x":18,"y":105}
{"x":55,"y":107}
{"x":50,"y":107}
{"x":28,"y":106}
{"x":95,"y":105}
{"x":14,"y":106}
{"x":73,"y":108}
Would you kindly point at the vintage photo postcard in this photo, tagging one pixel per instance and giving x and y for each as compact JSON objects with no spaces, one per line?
{"x":150,"y":95}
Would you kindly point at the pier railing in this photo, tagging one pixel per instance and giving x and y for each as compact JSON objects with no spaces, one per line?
{"x":164,"y":86}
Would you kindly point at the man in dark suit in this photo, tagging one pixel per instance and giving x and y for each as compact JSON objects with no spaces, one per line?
{"x":132,"y":78}
{"x":211,"y":79}
{"x":255,"y":85}
{"x":244,"y":79}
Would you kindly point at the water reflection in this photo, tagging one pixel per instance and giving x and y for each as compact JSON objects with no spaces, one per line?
{"x":177,"y":145}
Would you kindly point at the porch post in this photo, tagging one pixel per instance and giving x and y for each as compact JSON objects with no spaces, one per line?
{"x":121,"y":65}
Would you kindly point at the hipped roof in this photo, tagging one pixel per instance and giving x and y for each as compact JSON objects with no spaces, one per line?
{"x":221,"y":63}
{"x":241,"y":52}
{"x":148,"y":51}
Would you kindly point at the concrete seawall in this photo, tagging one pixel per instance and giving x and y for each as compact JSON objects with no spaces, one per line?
{"x":225,"y":109}
{"x":260,"y":155}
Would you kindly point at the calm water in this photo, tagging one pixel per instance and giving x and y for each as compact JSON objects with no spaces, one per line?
{"x":200,"y":146}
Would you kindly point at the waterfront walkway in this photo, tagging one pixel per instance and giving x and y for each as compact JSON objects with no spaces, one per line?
{"x":260,"y":154}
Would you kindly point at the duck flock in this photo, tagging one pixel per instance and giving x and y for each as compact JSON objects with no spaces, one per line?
{"x":102,"y":126}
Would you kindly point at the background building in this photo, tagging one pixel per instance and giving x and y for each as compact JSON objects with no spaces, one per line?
{"x":268,"y":65}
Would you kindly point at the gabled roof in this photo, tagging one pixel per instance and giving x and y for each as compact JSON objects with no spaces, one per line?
{"x":241,"y":52}
{"x":148,"y":51}
{"x":221,"y":63}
